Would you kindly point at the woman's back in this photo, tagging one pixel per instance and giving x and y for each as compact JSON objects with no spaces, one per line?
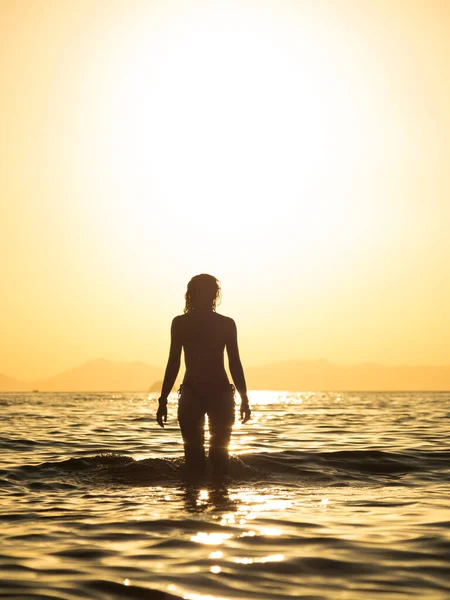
{"x":204,"y":335}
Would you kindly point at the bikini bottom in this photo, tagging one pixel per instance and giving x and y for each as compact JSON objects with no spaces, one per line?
{"x":194,"y":404}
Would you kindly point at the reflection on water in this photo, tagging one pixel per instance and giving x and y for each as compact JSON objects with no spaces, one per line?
{"x":334,"y":495}
{"x":200,"y":499}
{"x":210,"y":538}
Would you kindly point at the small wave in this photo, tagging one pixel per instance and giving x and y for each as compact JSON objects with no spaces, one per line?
{"x":332,"y":467}
{"x":364,"y":461}
{"x":11,"y":443}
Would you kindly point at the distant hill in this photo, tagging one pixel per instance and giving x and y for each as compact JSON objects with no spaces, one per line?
{"x":156,"y":387}
{"x":102,"y":375}
{"x":309,"y":375}
{"x":322,"y":375}
{"x":8,"y":384}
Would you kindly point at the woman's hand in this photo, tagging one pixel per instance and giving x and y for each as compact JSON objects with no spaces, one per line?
{"x":245,"y":411}
{"x":161,"y":414}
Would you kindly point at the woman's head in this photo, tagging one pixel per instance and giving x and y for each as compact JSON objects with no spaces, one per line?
{"x":203,"y":292}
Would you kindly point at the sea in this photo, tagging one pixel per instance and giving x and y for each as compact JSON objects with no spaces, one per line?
{"x":336,"y":496}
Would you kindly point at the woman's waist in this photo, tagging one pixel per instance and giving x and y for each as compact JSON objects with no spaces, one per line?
{"x":207,"y":385}
{"x":211,"y":376}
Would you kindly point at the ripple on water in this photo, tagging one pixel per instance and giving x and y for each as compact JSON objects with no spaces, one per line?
{"x":330,"y":494}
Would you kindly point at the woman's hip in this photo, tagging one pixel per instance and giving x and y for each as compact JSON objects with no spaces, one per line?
{"x":206,"y":398}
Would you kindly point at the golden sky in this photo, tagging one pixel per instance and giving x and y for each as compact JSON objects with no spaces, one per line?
{"x":297,"y":150}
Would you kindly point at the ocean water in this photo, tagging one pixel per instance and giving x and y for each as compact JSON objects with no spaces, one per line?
{"x":331,"y":496}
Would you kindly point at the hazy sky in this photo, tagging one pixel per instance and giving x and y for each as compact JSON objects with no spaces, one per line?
{"x":297,"y":150}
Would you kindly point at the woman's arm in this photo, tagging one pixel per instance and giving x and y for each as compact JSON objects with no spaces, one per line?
{"x":237,"y":372}
{"x":170,"y":375}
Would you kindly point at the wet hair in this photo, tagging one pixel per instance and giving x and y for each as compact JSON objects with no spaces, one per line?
{"x":201,"y":291}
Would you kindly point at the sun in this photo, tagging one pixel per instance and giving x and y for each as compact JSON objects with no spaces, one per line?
{"x":225,"y":140}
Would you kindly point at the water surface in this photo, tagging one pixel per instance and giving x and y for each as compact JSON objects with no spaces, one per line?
{"x":331,"y":496}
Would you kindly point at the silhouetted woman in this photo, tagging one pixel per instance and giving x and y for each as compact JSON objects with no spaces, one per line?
{"x":205,"y":390}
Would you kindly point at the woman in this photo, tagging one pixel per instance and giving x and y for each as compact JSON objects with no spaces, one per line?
{"x":204,"y":334}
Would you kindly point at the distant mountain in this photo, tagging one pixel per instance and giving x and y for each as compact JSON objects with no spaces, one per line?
{"x":156,"y":387}
{"x":102,"y":375}
{"x":309,"y":375}
{"x":322,"y":375}
{"x":8,"y":384}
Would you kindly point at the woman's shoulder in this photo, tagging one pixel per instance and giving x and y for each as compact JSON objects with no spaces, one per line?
{"x":225,"y":321}
{"x":219,"y":318}
{"x":178,"y":320}
{"x":179,"y":317}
